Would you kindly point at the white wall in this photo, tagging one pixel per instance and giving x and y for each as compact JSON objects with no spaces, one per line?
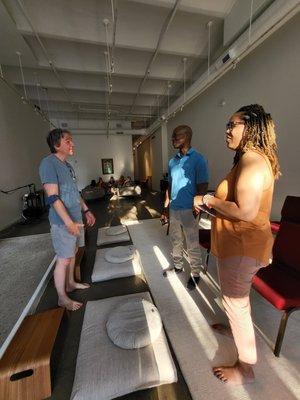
{"x":268,"y":76}
{"x":90,"y":149}
{"x":151,"y":157}
{"x":22,"y":146}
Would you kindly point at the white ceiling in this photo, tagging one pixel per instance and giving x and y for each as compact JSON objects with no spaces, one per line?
{"x":73,"y":37}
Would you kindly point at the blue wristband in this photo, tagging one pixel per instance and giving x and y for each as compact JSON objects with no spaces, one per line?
{"x":52,"y":199}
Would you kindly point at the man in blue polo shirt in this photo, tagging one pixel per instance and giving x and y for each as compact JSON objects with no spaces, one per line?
{"x":188,"y":176}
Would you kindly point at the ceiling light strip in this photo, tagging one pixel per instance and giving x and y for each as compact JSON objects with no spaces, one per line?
{"x":112,"y":10}
{"x":164,"y":30}
{"x":106,"y":23}
{"x":47,"y":102}
{"x":22,"y":74}
{"x":250,"y":22}
{"x":184,"y":76}
{"x":37,"y":84}
{"x":51,"y":64}
{"x":115,"y":18}
{"x":209,"y":24}
{"x":168,"y":89}
{"x":107,"y":94}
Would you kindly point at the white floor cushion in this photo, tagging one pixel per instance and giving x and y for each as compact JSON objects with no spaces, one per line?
{"x":119,"y":254}
{"x":105,"y":371}
{"x":104,"y":238}
{"x":130,"y":191}
{"x":134,"y":324}
{"x":116,"y":230}
{"x":105,"y":270}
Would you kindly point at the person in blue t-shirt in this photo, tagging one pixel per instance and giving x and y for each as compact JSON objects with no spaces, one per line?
{"x":65,"y":213}
{"x":188,"y":176}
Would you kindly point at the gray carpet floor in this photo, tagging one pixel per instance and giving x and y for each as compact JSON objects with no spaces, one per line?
{"x":23,"y":263}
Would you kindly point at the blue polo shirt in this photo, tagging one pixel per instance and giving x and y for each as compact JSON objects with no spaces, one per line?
{"x":185,"y":172}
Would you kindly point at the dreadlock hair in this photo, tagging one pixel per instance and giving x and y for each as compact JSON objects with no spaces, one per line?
{"x":259,"y":135}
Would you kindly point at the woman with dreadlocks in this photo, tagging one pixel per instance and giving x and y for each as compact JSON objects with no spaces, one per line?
{"x":241,"y":235}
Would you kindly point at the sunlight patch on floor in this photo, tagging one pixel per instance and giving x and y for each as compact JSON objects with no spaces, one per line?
{"x":188,"y":305}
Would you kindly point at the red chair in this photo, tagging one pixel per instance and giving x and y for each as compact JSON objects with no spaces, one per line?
{"x":279,"y":283}
{"x":204,"y":240}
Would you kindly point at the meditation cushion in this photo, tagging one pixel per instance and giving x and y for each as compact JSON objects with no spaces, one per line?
{"x":134,"y":324}
{"x":119,"y":254}
{"x":105,"y":371}
{"x":116,"y":230}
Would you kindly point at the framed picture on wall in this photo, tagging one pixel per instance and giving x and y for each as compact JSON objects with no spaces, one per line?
{"x":107,"y":166}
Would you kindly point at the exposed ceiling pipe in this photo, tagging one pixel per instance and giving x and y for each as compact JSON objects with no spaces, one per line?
{"x":102,"y":131}
{"x":184,"y":77}
{"x":164,"y":30}
{"x":115,"y":112}
{"x":272,"y":19}
{"x":37,"y":89}
{"x":209,"y":25}
{"x":22,"y":74}
{"x":250,"y":22}
{"x":107,"y":57}
{"x":112,"y":10}
{"x":28,"y":102}
{"x":115,"y":18}
{"x":109,"y":61}
{"x":51,"y":64}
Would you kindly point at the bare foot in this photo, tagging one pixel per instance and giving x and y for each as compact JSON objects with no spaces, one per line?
{"x":78,"y":285}
{"x":69,"y":304}
{"x":238,"y":374}
{"x":222,"y":330}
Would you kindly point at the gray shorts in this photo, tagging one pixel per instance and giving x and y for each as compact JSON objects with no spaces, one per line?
{"x":64,"y":243}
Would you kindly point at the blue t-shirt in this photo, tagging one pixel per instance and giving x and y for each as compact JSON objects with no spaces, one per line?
{"x":185,"y":172}
{"x":53,"y":170}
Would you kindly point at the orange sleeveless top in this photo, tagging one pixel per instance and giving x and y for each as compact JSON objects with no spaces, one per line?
{"x":231,"y":238}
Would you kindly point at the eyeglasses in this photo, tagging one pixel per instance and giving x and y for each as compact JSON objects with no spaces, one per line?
{"x":72,"y":173}
{"x":231,"y":125}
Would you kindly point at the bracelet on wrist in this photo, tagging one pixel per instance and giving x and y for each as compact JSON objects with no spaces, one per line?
{"x":87,"y":210}
{"x":206,"y":198}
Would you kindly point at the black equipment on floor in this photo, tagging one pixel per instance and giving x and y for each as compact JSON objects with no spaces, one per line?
{"x":33,"y":203}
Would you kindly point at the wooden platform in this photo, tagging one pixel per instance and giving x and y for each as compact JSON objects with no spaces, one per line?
{"x":25,"y":366}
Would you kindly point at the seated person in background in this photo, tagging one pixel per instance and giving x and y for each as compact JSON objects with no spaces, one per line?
{"x":121,"y":181}
{"x":111,"y":182}
{"x":111,"y":185}
{"x":101,"y":183}
{"x":128,"y":181}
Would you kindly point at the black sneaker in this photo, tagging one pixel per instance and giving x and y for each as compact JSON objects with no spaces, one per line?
{"x":178,"y":270}
{"x":165,"y":272}
{"x":193,"y":282}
